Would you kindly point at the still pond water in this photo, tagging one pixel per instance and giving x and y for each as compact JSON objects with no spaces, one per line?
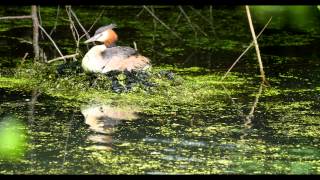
{"x":281,"y":136}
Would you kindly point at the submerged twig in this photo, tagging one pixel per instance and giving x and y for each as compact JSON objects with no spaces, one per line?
{"x":208,"y":21}
{"x":140,"y":12}
{"x":73,"y":29}
{"x":95,"y":21}
{"x":161,"y":22}
{"x":101,"y":13}
{"x":185,"y":15}
{"x":40,"y":21}
{"x":24,"y":57}
{"x":177,"y":20}
{"x":83,"y":29}
{"x":190,"y":23}
{"x":245,"y":51}
{"x":56,"y":21}
{"x":254,"y":37}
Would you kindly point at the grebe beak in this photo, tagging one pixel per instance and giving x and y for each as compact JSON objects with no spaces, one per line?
{"x":94,"y":38}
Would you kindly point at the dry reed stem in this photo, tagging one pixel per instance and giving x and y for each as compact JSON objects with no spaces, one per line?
{"x":254,"y":37}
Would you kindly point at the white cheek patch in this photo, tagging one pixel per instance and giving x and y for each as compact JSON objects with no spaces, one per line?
{"x":104,"y":36}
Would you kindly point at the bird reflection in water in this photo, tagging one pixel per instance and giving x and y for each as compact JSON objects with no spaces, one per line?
{"x":102,"y":120}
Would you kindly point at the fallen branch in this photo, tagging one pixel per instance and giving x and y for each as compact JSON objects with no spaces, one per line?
{"x":44,"y":31}
{"x":16,"y":17}
{"x":245,"y":51}
{"x":62,"y":58}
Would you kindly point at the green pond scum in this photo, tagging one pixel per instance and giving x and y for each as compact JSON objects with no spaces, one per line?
{"x":190,"y":121}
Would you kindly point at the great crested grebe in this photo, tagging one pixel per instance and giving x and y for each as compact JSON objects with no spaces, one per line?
{"x":111,"y":60}
{"x":108,"y":57}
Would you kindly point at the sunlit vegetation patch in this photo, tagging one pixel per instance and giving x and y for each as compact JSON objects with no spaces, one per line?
{"x":185,"y":88}
{"x":23,"y":83}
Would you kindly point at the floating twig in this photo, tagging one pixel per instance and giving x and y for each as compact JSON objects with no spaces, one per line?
{"x":62,"y":58}
{"x":16,"y":17}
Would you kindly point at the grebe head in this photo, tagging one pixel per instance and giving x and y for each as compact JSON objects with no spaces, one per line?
{"x":105,"y":34}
